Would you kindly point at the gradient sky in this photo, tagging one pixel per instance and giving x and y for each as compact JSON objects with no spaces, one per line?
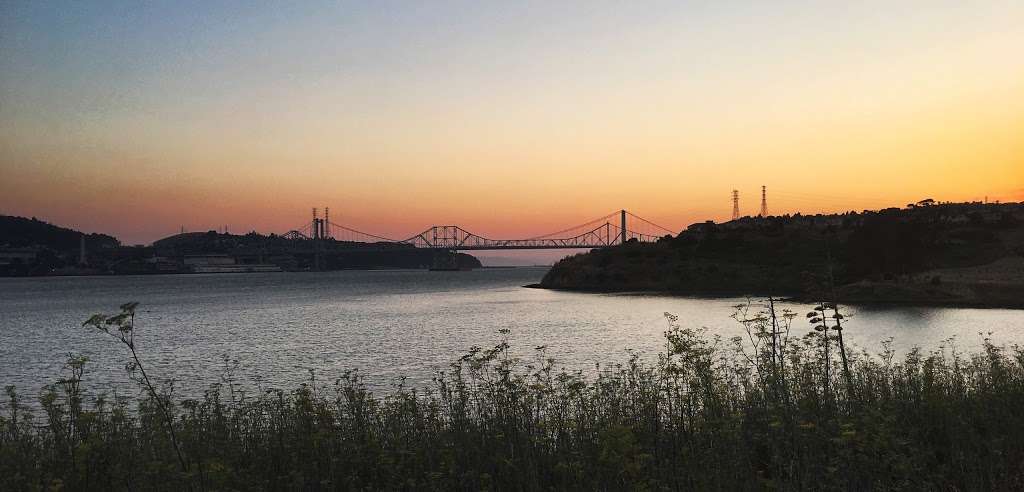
{"x":511,"y":119}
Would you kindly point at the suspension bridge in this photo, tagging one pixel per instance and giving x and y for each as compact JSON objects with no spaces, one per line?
{"x":615,"y":228}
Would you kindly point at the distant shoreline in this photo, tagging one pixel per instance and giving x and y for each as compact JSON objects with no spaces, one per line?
{"x":204,"y":274}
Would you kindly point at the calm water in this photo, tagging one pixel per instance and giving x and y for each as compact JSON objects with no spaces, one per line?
{"x":387,"y":324}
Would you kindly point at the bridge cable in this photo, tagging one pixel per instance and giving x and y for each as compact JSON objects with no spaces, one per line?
{"x":666,"y":229}
{"x":569,"y":229}
{"x":349,"y":229}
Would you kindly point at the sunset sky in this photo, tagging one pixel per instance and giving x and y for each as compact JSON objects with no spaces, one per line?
{"x":510,"y":119}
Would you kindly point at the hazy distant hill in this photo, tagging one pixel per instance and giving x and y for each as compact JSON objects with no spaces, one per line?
{"x":23,"y":232}
{"x":293,"y":254}
{"x":940,"y":253}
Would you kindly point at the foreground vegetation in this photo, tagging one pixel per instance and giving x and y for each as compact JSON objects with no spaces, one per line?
{"x":767,"y":411}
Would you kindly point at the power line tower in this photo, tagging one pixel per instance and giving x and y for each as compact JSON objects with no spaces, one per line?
{"x":764,"y":201}
{"x":735,"y":204}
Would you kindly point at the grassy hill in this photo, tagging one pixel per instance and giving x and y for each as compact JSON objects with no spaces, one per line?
{"x":923,"y":254}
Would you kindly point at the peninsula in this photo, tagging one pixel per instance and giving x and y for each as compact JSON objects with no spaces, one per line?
{"x":930,"y":253}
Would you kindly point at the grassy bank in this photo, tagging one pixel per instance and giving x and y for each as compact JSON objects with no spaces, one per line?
{"x":777,"y":409}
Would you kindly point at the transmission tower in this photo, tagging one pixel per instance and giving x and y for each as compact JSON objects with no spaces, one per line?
{"x":764,"y":202}
{"x":735,"y":204}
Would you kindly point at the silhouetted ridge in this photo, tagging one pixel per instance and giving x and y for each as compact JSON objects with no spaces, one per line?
{"x":931,"y":253}
{"x":21,"y":232}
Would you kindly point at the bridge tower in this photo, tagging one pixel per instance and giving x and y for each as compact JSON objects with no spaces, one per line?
{"x":313,"y":227}
{"x":623,"y":231}
{"x":315,"y":232}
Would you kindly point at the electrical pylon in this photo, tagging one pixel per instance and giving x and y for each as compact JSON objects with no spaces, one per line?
{"x":764,"y":202}
{"x":735,"y":204}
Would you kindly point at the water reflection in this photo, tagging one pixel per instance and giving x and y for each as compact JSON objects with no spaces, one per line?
{"x":385,"y":323}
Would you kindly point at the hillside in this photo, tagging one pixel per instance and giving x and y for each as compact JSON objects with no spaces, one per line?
{"x":292,"y":254}
{"x":20,"y":232}
{"x":930,"y":254}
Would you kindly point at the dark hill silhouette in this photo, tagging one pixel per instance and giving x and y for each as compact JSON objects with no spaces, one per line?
{"x":926,"y":253}
{"x":20,"y":232}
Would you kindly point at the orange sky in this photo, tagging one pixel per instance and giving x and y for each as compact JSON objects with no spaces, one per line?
{"x":509,"y":121}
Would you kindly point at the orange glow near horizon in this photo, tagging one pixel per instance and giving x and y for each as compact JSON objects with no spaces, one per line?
{"x":509,"y":131}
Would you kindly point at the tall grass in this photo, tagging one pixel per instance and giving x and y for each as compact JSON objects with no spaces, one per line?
{"x":766,"y":411}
